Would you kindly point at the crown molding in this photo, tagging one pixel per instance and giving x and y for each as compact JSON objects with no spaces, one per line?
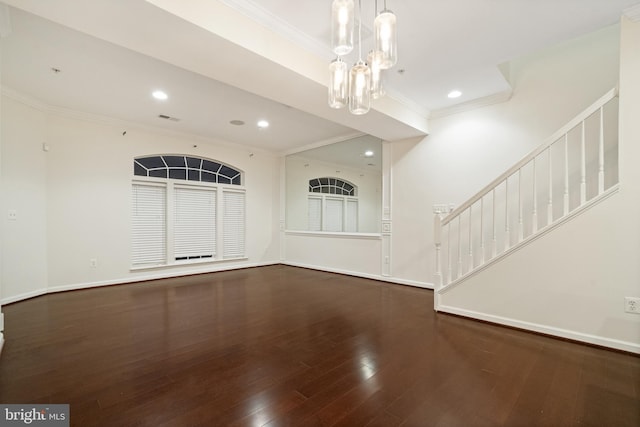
{"x":485,"y":101}
{"x":633,"y":13}
{"x":276,"y":24}
{"x":407,"y":103}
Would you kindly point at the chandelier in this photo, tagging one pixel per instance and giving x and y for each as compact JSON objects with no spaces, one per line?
{"x":356,"y":87}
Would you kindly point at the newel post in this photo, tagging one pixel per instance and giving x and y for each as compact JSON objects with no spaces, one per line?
{"x":437,"y":237}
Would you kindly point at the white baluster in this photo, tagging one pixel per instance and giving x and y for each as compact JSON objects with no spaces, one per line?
{"x":583,"y":166}
{"x":507,"y":232}
{"x":566,"y":174}
{"x":459,"y":245}
{"x":449,"y":264}
{"x":494,"y":243}
{"x":470,"y":242}
{"x":534,"y":214}
{"x":550,"y":203}
{"x":520,"y":211}
{"x":601,"y":154}
{"x":482,"y":231}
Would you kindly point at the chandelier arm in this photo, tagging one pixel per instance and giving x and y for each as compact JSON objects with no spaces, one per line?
{"x":360,"y":30}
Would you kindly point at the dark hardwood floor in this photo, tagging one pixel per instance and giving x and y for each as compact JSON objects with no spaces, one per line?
{"x":284,"y":346}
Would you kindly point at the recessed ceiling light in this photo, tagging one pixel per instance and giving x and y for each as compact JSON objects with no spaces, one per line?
{"x":263,"y":124}
{"x":158,"y":94}
{"x":454,"y":94}
{"x":237,"y":122}
{"x":368,"y":153}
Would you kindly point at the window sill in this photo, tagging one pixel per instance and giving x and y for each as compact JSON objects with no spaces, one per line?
{"x":343,"y":235}
{"x":185,"y":264}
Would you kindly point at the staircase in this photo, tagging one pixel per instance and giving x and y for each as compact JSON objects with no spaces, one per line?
{"x":574,"y":169}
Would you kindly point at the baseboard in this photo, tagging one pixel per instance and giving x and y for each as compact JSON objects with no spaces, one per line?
{"x":21,"y":297}
{"x":125,"y":280}
{"x":626,"y":346}
{"x":381,"y":278}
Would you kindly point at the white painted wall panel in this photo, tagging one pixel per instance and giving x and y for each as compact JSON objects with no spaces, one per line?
{"x":351,"y":255}
{"x":23,"y":190}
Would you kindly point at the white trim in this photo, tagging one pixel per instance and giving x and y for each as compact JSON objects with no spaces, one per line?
{"x":26,"y":295}
{"x":1,"y":342}
{"x":127,"y":280}
{"x":627,"y":346}
{"x":632,"y":13}
{"x":532,"y":238}
{"x":343,"y":235}
{"x":394,"y":280}
{"x":281,"y":27}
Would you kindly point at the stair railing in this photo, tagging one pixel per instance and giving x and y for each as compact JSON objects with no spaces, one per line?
{"x":574,"y":168}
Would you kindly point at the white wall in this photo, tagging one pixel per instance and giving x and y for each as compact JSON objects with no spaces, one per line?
{"x":299,"y":170}
{"x":73,"y":201}
{"x":341,"y":254}
{"x":24,"y":178}
{"x":465,"y":151}
{"x":572,"y":281}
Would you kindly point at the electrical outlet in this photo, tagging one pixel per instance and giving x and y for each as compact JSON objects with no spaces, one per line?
{"x":12,"y":214}
{"x":632,"y":305}
{"x":93,"y":263}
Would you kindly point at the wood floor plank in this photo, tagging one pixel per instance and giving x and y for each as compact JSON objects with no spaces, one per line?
{"x":285,"y":346}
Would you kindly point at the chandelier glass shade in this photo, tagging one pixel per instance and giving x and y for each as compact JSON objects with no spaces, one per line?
{"x":374,"y":59}
{"x":386,"y":38}
{"x":356,"y":87}
{"x":342,"y":24}
{"x":360,"y":88}
{"x":338,"y":83}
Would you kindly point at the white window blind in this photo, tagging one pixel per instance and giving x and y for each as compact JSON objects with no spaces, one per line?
{"x":315,"y":214}
{"x":333,"y":214}
{"x":233,"y":224}
{"x":149,"y":229}
{"x":351,"y":220}
{"x":194,"y":227}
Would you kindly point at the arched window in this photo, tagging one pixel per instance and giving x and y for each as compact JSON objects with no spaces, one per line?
{"x":335,"y":208}
{"x":329,"y":185}
{"x":186,"y":168}
{"x":176,"y":220}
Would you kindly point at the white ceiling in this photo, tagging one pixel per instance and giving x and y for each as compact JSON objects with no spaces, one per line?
{"x":247,"y":60}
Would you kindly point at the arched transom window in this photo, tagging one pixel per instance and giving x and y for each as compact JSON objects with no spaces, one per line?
{"x":335,"y":208}
{"x":329,"y":185}
{"x":186,"y":168}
